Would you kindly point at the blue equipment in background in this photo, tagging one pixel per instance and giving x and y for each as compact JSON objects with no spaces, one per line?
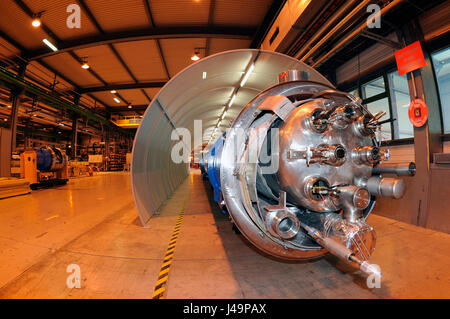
{"x":210,"y":167}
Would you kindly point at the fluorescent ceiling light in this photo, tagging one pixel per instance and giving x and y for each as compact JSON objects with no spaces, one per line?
{"x":247,"y":74}
{"x":223,"y":115}
{"x":117,"y":100}
{"x":50,"y":45}
{"x":232,"y":100}
{"x":204,"y":75}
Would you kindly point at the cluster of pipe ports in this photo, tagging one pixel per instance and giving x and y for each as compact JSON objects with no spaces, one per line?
{"x":352,"y":198}
{"x":323,"y":154}
{"x":362,"y":127}
{"x":343,"y":116}
{"x":280,"y":222}
{"x":408,"y":169}
{"x":341,"y":251}
{"x":378,"y":185}
{"x":366,"y":155}
{"x":338,"y":116}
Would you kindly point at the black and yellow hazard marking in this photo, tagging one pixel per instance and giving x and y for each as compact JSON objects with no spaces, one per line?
{"x":160,"y":287}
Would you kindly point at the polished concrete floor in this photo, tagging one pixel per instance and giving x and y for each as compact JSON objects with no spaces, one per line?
{"x":92,"y":222}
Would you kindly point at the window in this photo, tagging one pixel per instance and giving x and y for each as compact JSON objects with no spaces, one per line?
{"x":400,"y":100}
{"x":355,"y":93}
{"x":373,"y":88}
{"x":389,"y":93}
{"x":441,"y":63}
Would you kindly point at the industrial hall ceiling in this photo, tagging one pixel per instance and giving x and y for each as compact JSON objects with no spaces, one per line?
{"x":132,"y":47}
{"x":122,"y":52}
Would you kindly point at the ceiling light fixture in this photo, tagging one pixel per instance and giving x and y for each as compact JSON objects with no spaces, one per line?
{"x":113,"y":91}
{"x":247,"y":74}
{"x":117,"y":100}
{"x":37,"y":19}
{"x":195,"y":57}
{"x":84,"y":63}
{"x":50,"y":45}
{"x":130,"y":106}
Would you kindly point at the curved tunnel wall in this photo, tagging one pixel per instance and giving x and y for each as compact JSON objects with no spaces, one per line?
{"x":191,"y":96}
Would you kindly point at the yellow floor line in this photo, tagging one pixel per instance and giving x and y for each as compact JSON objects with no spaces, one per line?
{"x":160,"y":286}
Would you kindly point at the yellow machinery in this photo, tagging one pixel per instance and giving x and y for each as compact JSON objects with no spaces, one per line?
{"x":45,"y":167}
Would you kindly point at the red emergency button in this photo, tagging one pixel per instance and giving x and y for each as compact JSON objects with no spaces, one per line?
{"x":418,"y":112}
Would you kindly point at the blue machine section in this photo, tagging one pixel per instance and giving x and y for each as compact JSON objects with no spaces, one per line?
{"x":43,"y":159}
{"x":202,"y":167}
{"x":210,"y":167}
{"x":213,"y":167}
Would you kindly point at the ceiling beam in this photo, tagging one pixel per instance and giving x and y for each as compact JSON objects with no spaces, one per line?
{"x":100,"y":29}
{"x":226,"y":32}
{"x":212,"y":7}
{"x":146,"y":96}
{"x":265,"y":26}
{"x":148,"y":10}
{"x":135,"y":108}
{"x":126,"y":86}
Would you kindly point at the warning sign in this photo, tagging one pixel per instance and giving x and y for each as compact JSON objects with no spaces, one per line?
{"x":418,"y":112}
{"x":410,"y":58}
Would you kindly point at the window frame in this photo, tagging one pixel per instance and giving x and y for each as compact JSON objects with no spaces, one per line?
{"x":386,"y":94}
{"x":444,"y":136}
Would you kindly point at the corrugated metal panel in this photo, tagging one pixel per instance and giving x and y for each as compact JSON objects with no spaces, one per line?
{"x":375,"y":56}
{"x":135,"y":96}
{"x":241,"y":12}
{"x":220,"y":45}
{"x":105,"y":64}
{"x":178,"y":52}
{"x":436,"y":21}
{"x":55,"y":17}
{"x":142,"y":57}
{"x":67,"y":66}
{"x":17,"y":25}
{"x":181,"y":12}
{"x":118,"y":15}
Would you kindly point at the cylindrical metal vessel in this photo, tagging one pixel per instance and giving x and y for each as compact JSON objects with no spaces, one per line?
{"x":296,"y":169}
{"x":50,"y":159}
